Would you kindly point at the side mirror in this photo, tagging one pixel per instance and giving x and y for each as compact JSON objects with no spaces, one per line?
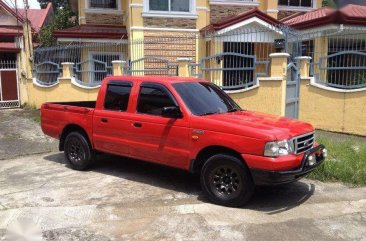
{"x":172,"y":112}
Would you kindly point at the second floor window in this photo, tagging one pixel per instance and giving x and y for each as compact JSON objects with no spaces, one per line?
{"x":296,"y":3}
{"x":108,"y":4}
{"x":169,"y":5}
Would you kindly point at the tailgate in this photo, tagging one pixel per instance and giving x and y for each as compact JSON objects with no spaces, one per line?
{"x":55,"y":117}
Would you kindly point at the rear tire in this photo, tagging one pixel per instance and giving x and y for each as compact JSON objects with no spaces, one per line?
{"x":227,"y":181}
{"x":78,"y":151}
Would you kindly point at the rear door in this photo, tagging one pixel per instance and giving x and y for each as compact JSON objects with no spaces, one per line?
{"x":111,"y":124}
{"x":154,"y":137}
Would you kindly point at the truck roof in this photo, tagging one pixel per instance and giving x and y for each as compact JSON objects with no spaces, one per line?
{"x":158,"y":79}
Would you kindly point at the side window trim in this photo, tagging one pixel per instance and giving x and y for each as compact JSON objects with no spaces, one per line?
{"x":120,"y":83}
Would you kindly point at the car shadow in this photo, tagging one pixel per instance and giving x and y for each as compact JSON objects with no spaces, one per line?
{"x":271,"y":199}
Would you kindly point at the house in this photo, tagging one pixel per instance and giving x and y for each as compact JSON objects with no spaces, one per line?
{"x":259,"y":52}
{"x":335,"y":39}
{"x":18,"y":29}
{"x":151,"y":34}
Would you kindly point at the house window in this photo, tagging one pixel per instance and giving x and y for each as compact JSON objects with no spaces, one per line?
{"x":170,"y":5}
{"x":107,"y":4}
{"x":296,"y":3}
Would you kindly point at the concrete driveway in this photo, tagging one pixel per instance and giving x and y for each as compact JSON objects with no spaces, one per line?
{"x":20,"y":135}
{"x":121,"y":199}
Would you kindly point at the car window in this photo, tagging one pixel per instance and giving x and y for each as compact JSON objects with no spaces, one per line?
{"x":117,"y":97}
{"x":205,"y":98}
{"x":152,"y":100}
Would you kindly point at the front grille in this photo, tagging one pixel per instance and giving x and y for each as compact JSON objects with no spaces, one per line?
{"x":304,"y":142}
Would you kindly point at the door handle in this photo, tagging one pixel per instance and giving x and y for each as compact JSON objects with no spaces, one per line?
{"x":137,"y":124}
{"x":104,"y":120}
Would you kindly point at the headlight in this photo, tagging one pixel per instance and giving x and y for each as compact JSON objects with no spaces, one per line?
{"x":278,"y":148}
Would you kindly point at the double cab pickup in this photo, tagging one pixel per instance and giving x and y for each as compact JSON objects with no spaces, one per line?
{"x":185,"y":123}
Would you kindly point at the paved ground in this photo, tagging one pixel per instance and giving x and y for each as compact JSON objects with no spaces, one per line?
{"x":21,"y":135}
{"x":121,"y":199}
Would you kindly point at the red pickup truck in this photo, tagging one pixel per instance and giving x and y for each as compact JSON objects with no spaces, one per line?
{"x":186,"y":123}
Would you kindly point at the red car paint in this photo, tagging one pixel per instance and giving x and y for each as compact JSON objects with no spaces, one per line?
{"x":175,"y":142}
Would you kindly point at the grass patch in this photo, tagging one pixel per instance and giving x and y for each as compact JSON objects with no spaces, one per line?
{"x":346,"y":162}
{"x":36,"y":118}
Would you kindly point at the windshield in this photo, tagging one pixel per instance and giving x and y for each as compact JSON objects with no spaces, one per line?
{"x":205,"y":98}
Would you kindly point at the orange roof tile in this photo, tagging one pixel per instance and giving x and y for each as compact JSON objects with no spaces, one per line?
{"x":226,"y":22}
{"x":350,"y":14}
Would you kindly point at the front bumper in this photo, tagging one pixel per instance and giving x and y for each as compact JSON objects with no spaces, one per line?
{"x":263,"y":177}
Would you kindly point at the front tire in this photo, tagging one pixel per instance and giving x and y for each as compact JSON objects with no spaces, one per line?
{"x":78,"y":151}
{"x":226,"y":180}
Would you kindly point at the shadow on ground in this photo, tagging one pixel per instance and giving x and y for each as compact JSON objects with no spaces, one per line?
{"x":270,"y":200}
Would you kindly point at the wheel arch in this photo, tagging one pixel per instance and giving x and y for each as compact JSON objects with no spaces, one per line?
{"x":209,"y":151}
{"x":67,"y":130}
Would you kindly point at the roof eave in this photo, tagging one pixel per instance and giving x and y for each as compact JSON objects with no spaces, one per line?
{"x":10,"y":50}
{"x":237,"y":19}
{"x":89,"y":35}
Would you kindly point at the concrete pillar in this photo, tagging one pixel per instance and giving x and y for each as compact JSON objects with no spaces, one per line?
{"x":118,"y":67}
{"x":304,"y":66}
{"x":320,"y":50}
{"x":279,"y":72}
{"x":183,"y":67}
{"x":271,"y":9}
{"x":67,"y":70}
{"x":279,"y":64}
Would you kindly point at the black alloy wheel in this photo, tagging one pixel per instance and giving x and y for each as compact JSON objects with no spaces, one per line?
{"x":78,"y":151}
{"x":226,"y":180}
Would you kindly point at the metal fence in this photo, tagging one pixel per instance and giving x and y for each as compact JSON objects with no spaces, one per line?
{"x":338,"y":57}
{"x":232,"y":60}
{"x":8,"y":64}
{"x":92,"y":61}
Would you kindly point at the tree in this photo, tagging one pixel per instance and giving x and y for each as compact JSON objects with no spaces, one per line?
{"x":57,"y":4}
{"x":64,"y":18}
{"x":329,"y":3}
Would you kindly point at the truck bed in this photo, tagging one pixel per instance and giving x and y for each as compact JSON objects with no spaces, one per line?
{"x":55,"y":116}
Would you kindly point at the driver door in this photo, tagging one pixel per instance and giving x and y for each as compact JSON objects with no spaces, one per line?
{"x":156,"y":138}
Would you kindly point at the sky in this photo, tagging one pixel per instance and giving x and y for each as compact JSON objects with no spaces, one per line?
{"x":32,"y":3}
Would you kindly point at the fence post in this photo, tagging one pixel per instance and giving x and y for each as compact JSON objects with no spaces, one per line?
{"x":67,"y":70}
{"x":304,"y":65}
{"x":118,"y":67}
{"x":279,"y":70}
{"x":183,"y":66}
